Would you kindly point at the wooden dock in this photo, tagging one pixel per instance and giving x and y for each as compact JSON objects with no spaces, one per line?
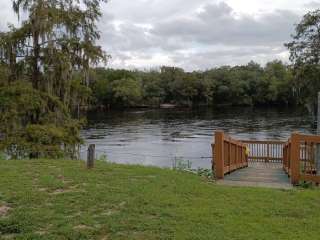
{"x":269,"y":175}
{"x":273,"y":164}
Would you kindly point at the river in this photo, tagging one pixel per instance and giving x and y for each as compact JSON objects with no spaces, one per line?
{"x":163,"y":137}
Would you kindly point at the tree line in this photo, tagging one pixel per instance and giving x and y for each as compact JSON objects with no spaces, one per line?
{"x":276,"y":83}
{"x":248,"y":85}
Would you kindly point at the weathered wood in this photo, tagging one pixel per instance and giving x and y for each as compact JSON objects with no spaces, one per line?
{"x":228,"y":155}
{"x":263,"y":142}
{"x":212,"y":161}
{"x":295,"y":158}
{"x":266,"y":151}
{"x":91,"y":156}
{"x":311,"y":178}
{"x":297,"y":155}
{"x":219,"y":155}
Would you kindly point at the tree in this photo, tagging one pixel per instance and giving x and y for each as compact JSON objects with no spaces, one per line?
{"x":305,"y":55}
{"x":127,"y":92}
{"x":47,"y":63}
{"x":56,"y":40}
{"x":35,"y":124}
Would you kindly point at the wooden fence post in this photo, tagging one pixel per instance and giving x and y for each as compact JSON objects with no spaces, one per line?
{"x":91,"y":156}
{"x":219,"y":155}
{"x":268,"y":153}
{"x":295,"y":158}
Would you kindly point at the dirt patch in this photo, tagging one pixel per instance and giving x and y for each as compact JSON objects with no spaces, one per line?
{"x":4,"y":210}
{"x":109,"y":213}
{"x":42,"y":189}
{"x":41,"y":232}
{"x":82,"y":227}
{"x":61,"y":191}
{"x":67,"y":190}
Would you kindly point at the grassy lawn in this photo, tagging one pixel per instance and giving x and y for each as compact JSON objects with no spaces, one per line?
{"x":62,"y":200}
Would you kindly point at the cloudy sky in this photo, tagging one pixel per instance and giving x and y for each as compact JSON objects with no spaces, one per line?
{"x":194,"y":34}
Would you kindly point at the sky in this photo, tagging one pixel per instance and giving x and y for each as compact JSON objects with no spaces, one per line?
{"x":193,"y":34}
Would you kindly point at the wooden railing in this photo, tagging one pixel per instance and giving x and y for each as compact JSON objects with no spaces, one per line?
{"x":287,"y":157}
{"x":265,"y":151}
{"x":228,"y":155}
{"x":301,"y":158}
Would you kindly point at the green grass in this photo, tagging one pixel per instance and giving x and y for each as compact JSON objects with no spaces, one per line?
{"x":62,"y":200}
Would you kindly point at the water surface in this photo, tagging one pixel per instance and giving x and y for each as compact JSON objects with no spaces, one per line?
{"x":162,"y":137}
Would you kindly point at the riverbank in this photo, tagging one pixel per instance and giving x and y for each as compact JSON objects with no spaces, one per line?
{"x":52,"y":199}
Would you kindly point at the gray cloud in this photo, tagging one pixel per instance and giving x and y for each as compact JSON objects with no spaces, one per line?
{"x":312,"y":5}
{"x":194,"y":34}
{"x":211,"y":34}
{"x":217,"y":24}
{"x":6,"y":14}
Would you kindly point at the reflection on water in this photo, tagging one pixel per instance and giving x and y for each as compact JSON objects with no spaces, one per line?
{"x":158,"y":137}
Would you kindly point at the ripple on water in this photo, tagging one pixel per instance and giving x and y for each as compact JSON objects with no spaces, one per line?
{"x":158,"y":137}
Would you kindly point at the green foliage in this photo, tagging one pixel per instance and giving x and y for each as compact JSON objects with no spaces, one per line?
{"x":3,"y":156}
{"x":44,"y":75}
{"x":181,"y":164}
{"x":35,"y":124}
{"x":306,"y":185}
{"x":240,"y":85}
{"x":127,"y":91}
{"x":103,"y":158}
{"x":305,"y":55}
{"x":205,"y":173}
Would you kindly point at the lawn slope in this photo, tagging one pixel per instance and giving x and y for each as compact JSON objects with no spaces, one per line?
{"x":51,"y":199}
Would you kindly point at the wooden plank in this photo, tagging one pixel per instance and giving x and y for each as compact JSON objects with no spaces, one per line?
{"x":212,"y":159}
{"x":310,"y":138}
{"x":265,"y":158}
{"x":262,"y":142}
{"x":311,"y":178}
{"x":219,"y":155}
{"x":295,"y":158}
{"x":91,"y":156}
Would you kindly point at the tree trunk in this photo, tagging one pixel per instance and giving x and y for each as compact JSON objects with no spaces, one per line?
{"x":36,"y":55}
{"x":13,"y":62}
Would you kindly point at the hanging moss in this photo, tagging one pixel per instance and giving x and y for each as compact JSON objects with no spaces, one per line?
{"x":35,"y":124}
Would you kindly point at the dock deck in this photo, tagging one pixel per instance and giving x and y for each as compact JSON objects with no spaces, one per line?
{"x":269,"y":175}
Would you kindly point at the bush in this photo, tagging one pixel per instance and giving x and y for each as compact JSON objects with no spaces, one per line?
{"x":35,"y":124}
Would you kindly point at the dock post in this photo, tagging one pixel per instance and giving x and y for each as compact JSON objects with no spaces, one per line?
{"x":295,"y":158}
{"x":219,"y":155}
{"x":91,"y":156}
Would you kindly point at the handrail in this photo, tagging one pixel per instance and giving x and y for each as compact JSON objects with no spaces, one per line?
{"x":265,"y":151}
{"x":302,"y":158}
{"x":264,"y":141}
{"x":228,"y":155}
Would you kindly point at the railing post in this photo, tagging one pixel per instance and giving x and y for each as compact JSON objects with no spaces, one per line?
{"x":219,"y":155}
{"x":268,"y":153}
{"x":295,"y":158}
